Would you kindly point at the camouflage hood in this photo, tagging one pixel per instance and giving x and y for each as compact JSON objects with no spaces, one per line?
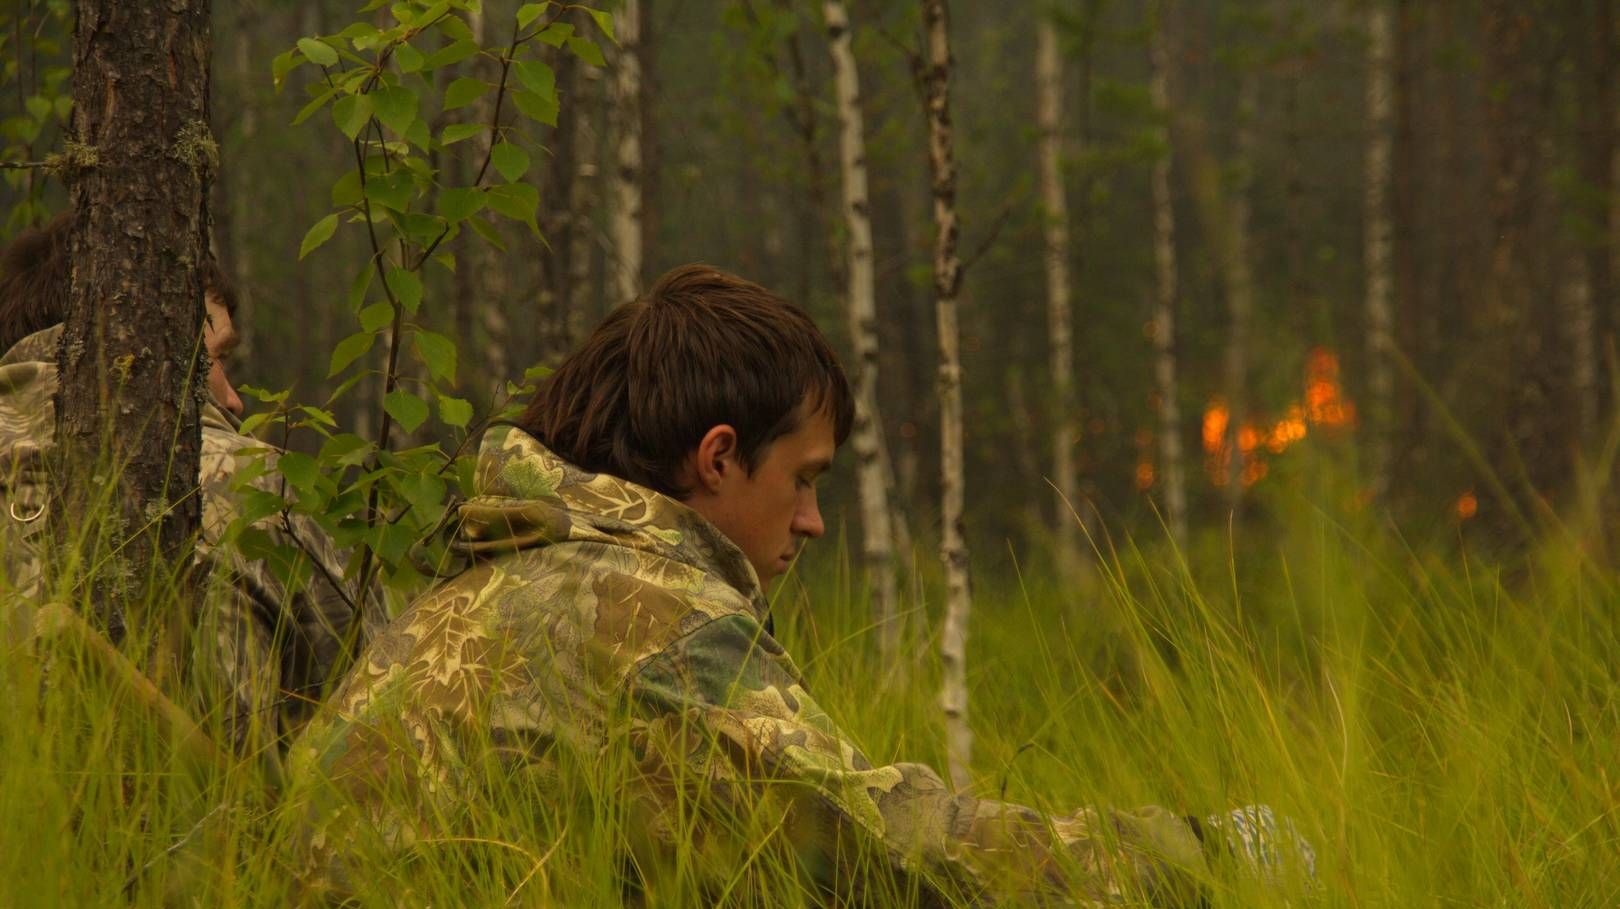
{"x":28,"y":403}
{"x":528,"y":497}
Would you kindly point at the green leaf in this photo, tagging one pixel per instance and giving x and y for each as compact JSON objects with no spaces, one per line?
{"x":453,"y":28}
{"x":345,"y":450}
{"x":518,"y":201}
{"x":586,"y":50}
{"x":539,"y":108}
{"x":309,"y":109}
{"x":300,"y":470}
{"x":409,"y":58}
{"x":460,"y":204}
{"x":452,"y":53}
{"x":359,"y":286}
{"x":455,"y":411}
{"x":423,"y":490}
{"x":376,"y":316}
{"x":556,"y":33}
{"x":537,"y":77}
{"x":529,"y":12}
{"x":393,"y":190}
{"x":283,"y":64}
{"x":348,"y":350}
{"x":487,"y":231}
{"x":318,"y":52}
{"x":463,"y":92}
{"x":395,"y":107}
{"x":351,"y":113}
{"x":604,"y":21}
{"x":456,"y":132}
{"x":38,"y":107}
{"x":320,"y":233}
{"x":407,"y":288}
{"x":417,"y":134}
{"x":438,"y":353}
{"x":346,"y":191}
{"x":407,"y":409}
{"x":510,"y":160}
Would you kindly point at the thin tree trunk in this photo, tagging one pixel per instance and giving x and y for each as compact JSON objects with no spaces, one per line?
{"x":585,"y":196}
{"x":627,"y":195}
{"x":1239,"y":279}
{"x":1579,"y":319}
{"x":947,"y":283}
{"x":1171,"y":466}
{"x":1379,"y":248}
{"x":486,"y":280}
{"x":872,"y":479}
{"x":1059,"y":302}
{"x":131,"y":363}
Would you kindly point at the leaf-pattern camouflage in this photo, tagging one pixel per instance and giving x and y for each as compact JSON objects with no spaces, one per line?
{"x":267,"y":648}
{"x":601,"y":615}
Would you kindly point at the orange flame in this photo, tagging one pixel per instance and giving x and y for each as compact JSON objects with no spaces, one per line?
{"x":1467,"y":506}
{"x":1324,"y":405}
{"x":1144,"y":475}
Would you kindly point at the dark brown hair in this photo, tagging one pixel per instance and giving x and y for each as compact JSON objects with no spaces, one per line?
{"x":700,"y":349}
{"x":36,"y":272}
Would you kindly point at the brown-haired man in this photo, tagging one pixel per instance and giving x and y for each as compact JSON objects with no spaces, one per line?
{"x":622,"y":534}
{"x":267,"y":649}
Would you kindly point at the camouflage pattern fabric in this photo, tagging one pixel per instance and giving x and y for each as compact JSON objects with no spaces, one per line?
{"x":601,"y":615}
{"x":265,"y":649}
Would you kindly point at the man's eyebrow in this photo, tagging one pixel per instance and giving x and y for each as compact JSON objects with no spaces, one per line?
{"x":818,"y":466}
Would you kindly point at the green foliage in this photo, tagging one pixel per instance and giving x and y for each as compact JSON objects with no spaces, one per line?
{"x":34,"y":43}
{"x":382,"y":87}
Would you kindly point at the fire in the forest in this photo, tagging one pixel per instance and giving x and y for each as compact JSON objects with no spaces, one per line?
{"x":1324,"y":406}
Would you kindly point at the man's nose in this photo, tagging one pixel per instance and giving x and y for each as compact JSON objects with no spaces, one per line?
{"x":808,"y":521}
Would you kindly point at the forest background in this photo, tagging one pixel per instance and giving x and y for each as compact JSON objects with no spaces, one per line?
{"x":1345,"y":274}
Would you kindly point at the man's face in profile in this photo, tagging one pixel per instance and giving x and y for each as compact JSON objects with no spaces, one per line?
{"x":219,"y":336}
{"x":770,"y":512}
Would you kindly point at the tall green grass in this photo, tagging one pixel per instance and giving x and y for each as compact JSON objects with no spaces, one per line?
{"x":1446,"y":731}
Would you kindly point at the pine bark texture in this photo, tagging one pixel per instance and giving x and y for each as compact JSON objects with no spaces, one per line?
{"x":1379,"y":245}
{"x":1059,"y":291}
{"x":872,"y":481}
{"x":936,"y":77}
{"x":131,"y":363}
{"x":627,"y":189}
{"x":1172,"y":470}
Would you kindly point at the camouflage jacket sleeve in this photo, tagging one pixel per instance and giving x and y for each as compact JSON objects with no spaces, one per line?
{"x":734,"y":683}
{"x":282,"y":611}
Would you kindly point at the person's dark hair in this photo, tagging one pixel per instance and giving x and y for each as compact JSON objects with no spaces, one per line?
{"x":36,"y":272}
{"x":700,"y":349}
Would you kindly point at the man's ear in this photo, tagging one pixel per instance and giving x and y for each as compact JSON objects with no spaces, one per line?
{"x":715,"y":459}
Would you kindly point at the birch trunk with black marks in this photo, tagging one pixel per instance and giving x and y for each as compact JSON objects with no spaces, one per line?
{"x":936,"y":80}
{"x":131,"y":360}
{"x":1059,"y":300}
{"x":1172,"y":470}
{"x":860,"y":297}
{"x":626,"y":261}
{"x":1379,"y":245}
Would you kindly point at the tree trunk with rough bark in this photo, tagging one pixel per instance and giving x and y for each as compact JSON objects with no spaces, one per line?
{"x":1378,"y":250}
{"x":936,"y":80}
{"x":1172,"y":470}
{"x":872,"y":482}
{"x":1059,"y":300}
{"x":627,"y":189}
{"x":131,"y":360}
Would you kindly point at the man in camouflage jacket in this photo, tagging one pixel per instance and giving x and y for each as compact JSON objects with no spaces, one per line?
{"x":265,"y":651}
{"x":620,"y":616}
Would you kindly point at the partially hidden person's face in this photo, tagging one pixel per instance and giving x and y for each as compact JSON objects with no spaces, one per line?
{"x":219,"y":336}
{"x":771,"y":512}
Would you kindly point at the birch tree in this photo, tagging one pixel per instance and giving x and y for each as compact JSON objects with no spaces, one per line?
{"x":936,"y":85}
{"x":131,"y":361}
{"x":860,"y":295}
{"x":1171,"y":467}
{"x":627,"y":190}
{"x":1055,"y":233}
{"x":1379,"y":248}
